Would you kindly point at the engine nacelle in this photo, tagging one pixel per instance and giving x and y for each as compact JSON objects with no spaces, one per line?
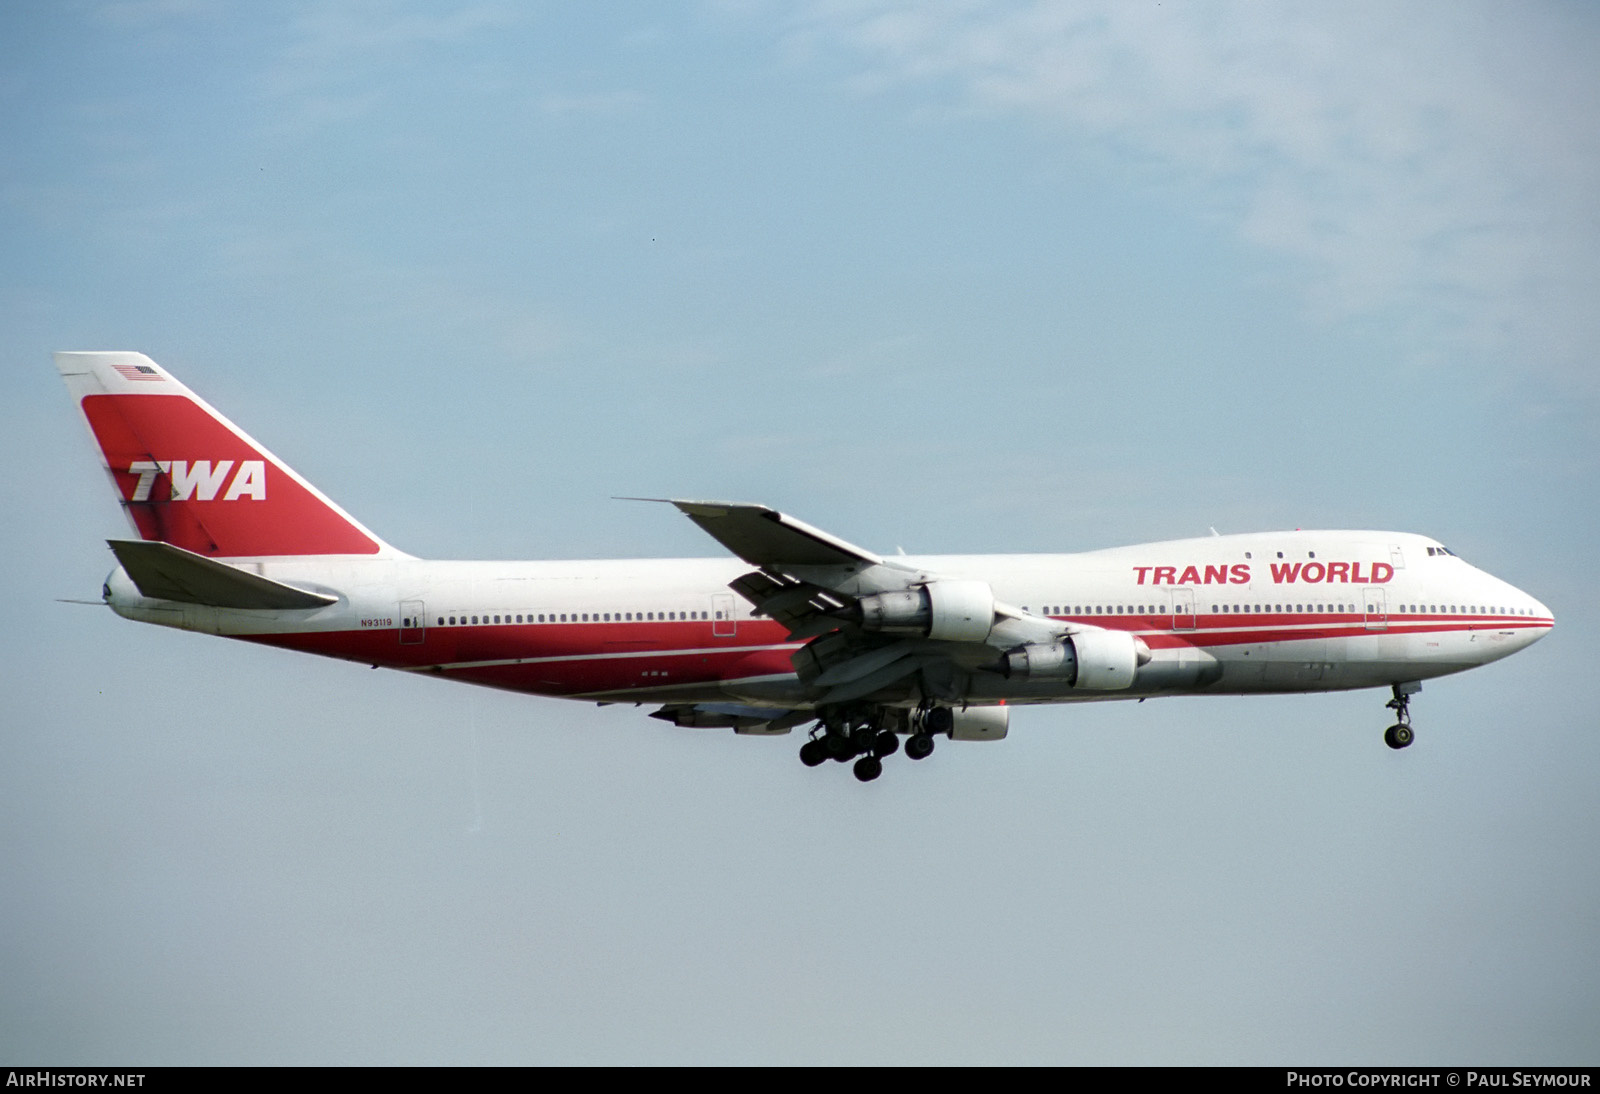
{"x":970,"y":723}
{"x":1094,"y":660}
{"x":949,"y":611}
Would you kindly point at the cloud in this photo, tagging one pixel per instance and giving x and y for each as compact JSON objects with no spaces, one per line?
{"x":1434,"y":165}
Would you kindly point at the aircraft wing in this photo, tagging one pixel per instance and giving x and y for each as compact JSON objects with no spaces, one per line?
{"x":806,"y":577}
{"x":765,"y":537}
{"x":829,"y":591}
{"x":742,"y":719}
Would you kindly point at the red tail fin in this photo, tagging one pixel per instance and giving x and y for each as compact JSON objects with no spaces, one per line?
{"x":189,"y":477}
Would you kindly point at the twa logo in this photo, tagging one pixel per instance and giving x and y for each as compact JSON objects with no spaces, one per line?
{"x":200,"y":481}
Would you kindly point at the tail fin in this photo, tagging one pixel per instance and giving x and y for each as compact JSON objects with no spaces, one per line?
{"x":189,"y":477}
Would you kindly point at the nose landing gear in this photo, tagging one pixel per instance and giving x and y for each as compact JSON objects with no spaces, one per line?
{"x":1400,"y":735}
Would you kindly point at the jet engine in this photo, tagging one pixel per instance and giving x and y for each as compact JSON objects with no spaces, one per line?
{"x":969,"y":723}
{"x":952,"y":611}
{"x":1095,"y":660}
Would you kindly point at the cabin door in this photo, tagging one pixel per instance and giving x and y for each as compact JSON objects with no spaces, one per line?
{"x":1377,"y":609}
{"x":413,"y":622}
{"x":722,"y":624}
{"x":1183,"y":609}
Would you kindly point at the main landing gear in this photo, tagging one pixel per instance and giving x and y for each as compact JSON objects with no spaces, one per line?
{"x":1400,"y":735}
{"x":867,"y":736}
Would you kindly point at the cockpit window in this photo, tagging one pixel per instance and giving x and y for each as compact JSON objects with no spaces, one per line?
{"x":1442,"y":551}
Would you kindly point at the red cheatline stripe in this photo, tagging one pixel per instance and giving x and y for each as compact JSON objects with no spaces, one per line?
{"x":575,"y":651}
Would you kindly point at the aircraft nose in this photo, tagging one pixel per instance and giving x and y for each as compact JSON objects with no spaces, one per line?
{"x":1541,"y":622}
{"x":1545,"y":614}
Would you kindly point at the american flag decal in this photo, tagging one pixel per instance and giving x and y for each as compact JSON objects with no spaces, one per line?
{"x":137,"y":372}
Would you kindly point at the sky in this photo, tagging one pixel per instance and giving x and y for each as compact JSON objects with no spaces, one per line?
{"x":976,"y":277}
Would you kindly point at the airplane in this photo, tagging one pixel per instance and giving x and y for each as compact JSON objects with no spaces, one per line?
{"x":798,"y":626}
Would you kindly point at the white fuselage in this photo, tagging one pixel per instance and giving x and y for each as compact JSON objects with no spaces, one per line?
{"x":1267,"y":612}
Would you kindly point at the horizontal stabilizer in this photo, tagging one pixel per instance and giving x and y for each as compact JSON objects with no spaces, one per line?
{"x":164,"y":572}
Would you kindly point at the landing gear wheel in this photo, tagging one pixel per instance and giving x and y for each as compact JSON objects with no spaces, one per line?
{"x":814,"y":752}
{"x":887,"y":744}
{"x":862,"y":739}
{"x":919,"y":746}
{"x":868,"y":768}
{"x":1398,"y":735}
{"x":939,"y":720}
{"x":839,"y":747}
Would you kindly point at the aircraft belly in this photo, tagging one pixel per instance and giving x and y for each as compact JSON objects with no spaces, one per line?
{"x":775,"y":690}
